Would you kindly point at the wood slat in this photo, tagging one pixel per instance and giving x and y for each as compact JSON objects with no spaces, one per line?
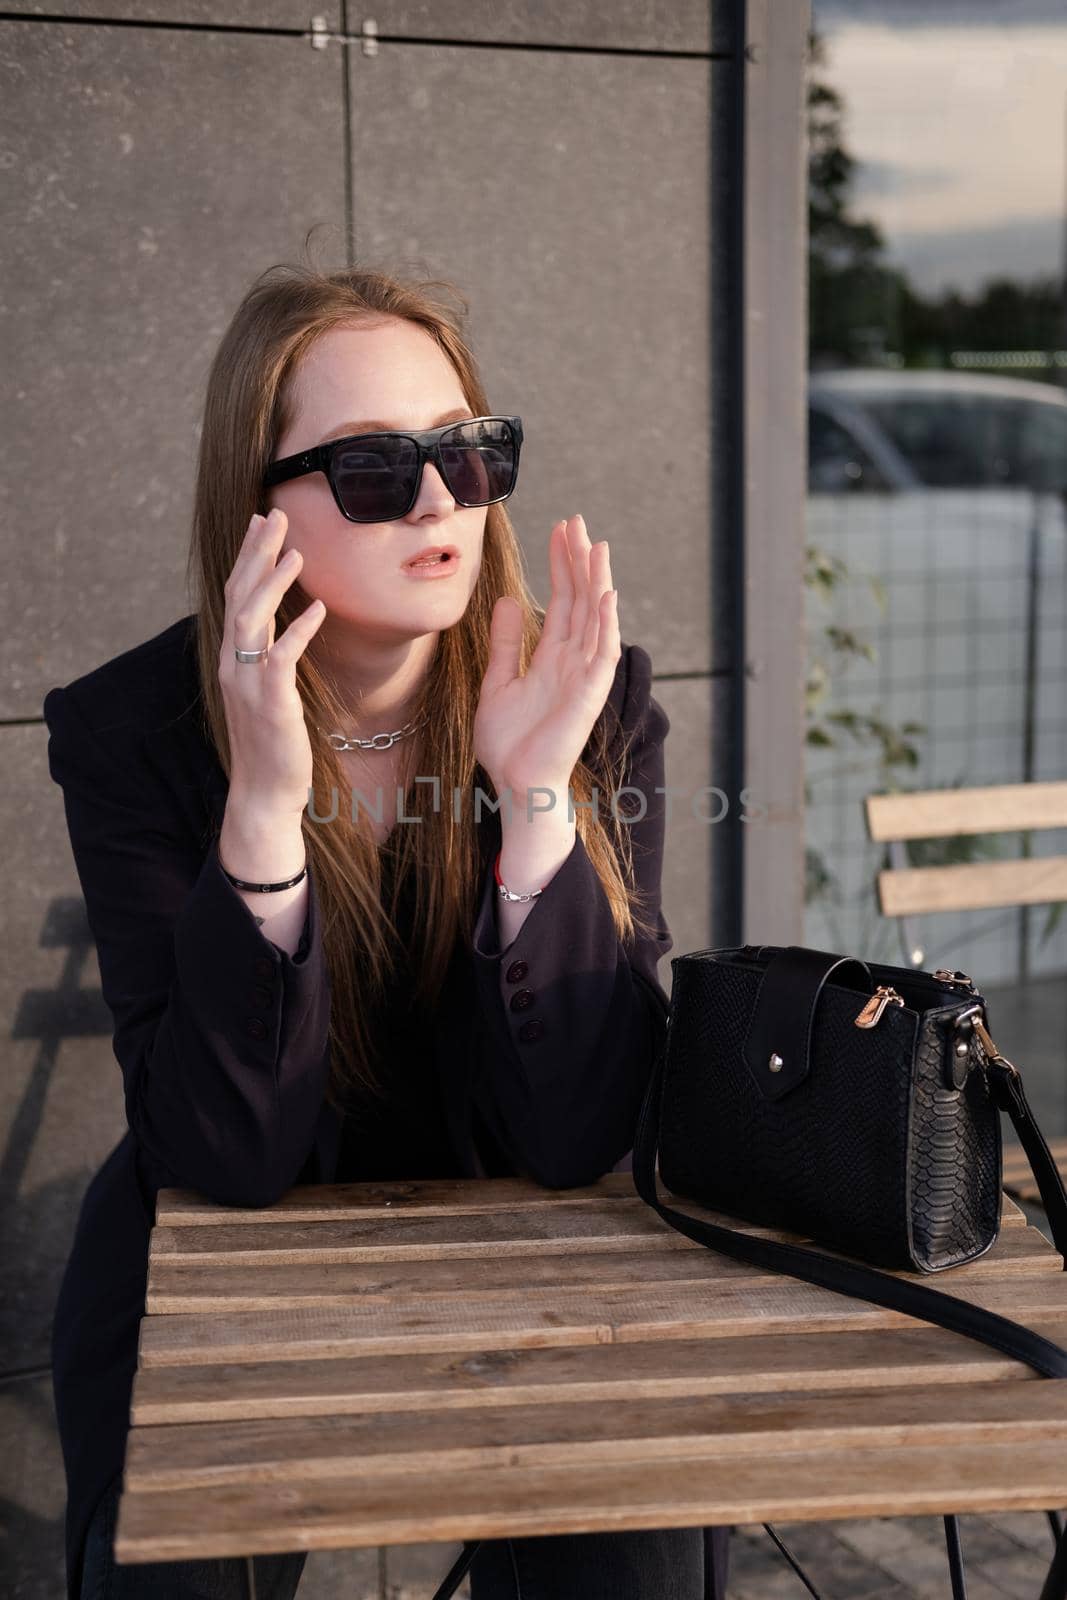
{"x":217,"y":1286}
{"x":542,"y":1231}
{"x":1028,"y":1191}
{"x":460,"y":1234}
{"x":686,"y":1491}
{"x":329,"y":1202}
{"x":505,"y":1233}
{"x":428,"y":1197}
{"x":514,"y":1319}
{"x":493,"y":1376}
{"x":439,"y":1197}
{"x":562,"y":1434}
{"x":939,"y":813}
{"x":1018,"y":1176}
{"x":1016,"y":1162}
{"x":971,"y":886}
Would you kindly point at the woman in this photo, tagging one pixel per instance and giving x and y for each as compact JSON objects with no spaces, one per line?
{"x":308,"y":990}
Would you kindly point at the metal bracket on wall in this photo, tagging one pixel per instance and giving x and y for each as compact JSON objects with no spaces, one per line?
{"x":319,"y":35}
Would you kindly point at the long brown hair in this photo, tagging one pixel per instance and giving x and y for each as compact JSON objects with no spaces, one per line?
{"x":248,"y":406}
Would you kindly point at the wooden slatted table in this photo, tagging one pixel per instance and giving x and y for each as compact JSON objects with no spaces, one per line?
{"x":389,"y":1363}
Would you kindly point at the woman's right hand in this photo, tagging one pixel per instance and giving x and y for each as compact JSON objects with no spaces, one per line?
{"x":270,"y":752}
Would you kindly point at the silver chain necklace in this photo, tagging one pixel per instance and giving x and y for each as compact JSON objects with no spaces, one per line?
{"x":378,"y":741}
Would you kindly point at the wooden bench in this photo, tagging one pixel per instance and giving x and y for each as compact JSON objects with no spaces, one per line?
{"x":1019,"y":1180}
{"x":905,"y":891}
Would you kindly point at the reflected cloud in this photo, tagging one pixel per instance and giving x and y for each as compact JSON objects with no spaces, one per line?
{"x":889,"y":177}
{"x":967,"y":258}
{"x":960,"y":138}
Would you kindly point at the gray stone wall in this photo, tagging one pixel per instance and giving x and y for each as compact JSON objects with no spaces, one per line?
{"x":559,"y":162}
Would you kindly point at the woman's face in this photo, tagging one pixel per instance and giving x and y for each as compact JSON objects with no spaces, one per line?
{"x":364,"y":377}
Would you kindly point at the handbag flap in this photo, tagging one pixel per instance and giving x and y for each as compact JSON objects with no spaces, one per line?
{"x":777,"y":1045}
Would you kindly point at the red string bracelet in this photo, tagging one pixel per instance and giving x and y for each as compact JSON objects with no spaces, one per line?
{"x":502,"y":889}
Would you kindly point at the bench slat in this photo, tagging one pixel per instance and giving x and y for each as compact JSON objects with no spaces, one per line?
{"x":1017,"y":1163}
{"x":969,"y":886}
{"x":1018,"y":1178}
{"x":940,"y":813}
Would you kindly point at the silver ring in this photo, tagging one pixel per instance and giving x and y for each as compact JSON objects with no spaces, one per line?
{"x":251,"y":655}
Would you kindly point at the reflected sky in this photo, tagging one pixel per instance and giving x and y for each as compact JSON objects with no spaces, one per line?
{"x":958,"y":116}
{"x":935,"y":13}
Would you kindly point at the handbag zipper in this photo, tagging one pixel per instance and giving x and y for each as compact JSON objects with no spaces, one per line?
{"x":939,"y":977}
{"x":884,"y":995}
{"x":957,"y":977}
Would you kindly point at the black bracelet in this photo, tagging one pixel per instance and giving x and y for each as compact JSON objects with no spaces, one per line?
{"x":264,"y":888}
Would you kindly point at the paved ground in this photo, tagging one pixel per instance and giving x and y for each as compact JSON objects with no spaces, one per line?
{"x":902,"y":1558}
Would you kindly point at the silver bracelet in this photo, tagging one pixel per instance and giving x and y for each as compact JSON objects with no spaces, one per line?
{"x":504,"y":892}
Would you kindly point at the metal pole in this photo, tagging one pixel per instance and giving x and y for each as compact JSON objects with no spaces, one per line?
{"x":727,"y":493}
{"x":1029,"y":701}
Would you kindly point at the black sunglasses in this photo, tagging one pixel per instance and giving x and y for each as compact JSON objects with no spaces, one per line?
{"x":375,"y":477}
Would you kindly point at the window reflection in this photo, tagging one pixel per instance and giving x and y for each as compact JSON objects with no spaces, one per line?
{"x":937,"y":448}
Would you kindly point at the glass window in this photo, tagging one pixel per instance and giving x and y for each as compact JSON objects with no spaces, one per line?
{"x":951,"y":442}
{"x":1043,"y":445}
{"x":836,"y":463}
{"x":937,"y":614}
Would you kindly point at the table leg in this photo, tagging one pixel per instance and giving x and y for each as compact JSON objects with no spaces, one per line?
{"x":250,"y":1578}
{"x":793,"y":1562}
{"x":955,"y":1557}
{"x":454,"y":1577}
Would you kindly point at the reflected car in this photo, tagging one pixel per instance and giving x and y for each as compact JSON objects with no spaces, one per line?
{"x":872,"y":429}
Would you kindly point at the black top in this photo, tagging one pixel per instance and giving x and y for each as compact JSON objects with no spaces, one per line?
{"x":406,"y":1133}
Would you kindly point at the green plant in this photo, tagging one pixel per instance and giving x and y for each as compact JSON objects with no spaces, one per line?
{"x":896,"y":747}
{"x":824,"y":575}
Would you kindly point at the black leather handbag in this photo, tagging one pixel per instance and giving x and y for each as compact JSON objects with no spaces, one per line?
{"x":856,"y":1104}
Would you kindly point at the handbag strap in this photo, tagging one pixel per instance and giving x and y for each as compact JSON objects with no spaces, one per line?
{"x":867,"y":1283}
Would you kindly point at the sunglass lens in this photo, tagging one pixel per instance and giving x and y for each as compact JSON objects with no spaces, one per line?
{"x":479,"y":461}
{"x":375,"y":476}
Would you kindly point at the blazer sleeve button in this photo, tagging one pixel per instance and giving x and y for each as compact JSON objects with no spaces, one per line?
{"x":531,"y":1030}
{"x":521,"y":999}
{"x":256,"y":1027}
{"x":264,"y":967}
{"x":516,"y":972}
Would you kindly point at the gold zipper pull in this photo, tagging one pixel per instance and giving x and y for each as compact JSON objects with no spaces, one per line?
{"x":884,"y":995}
{"x":945,"y":976}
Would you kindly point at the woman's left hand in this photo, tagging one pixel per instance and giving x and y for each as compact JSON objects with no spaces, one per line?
{"x":530,"y":731}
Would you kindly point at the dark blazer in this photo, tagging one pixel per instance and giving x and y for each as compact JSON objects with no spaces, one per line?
{"x":222,"y":1037}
